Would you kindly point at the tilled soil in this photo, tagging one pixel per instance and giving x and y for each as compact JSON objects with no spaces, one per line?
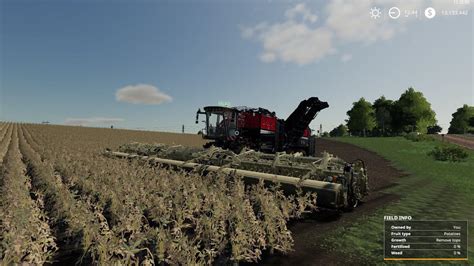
{"x":309,"y":233}
{"x":380,"y":171}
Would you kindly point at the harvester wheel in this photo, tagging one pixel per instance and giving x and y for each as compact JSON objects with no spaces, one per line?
{"x":237,"y":148}
{"x":352,"y":203}
{"x":352,"y":199}
{"x":208,"y":145}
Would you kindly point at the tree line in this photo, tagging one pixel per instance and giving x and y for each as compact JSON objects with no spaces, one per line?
{"x":410,"y":113}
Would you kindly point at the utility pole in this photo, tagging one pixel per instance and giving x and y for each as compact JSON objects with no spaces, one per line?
{"x":182,"y":129}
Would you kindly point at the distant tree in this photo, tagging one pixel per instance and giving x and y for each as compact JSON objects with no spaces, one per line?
{"x":434,"y":129}
{"x":339,"y":131}
{"x":361,"y":118}
{"x":383,"y":115}
{"x":461,"y":122}
{"x":325,"y":134}
{"x":412,"y":112}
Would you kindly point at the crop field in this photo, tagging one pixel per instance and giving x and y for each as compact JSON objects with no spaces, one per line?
{"x":62,"y":201}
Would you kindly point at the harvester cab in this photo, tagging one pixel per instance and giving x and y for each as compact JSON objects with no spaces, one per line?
{"x":220,"y":122}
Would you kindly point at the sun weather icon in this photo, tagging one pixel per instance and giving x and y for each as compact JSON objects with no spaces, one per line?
{"x":375,"y":12}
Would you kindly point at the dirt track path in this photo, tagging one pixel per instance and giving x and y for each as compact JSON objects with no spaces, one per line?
{"x":464,"y":141}
{"x":309,"y":233}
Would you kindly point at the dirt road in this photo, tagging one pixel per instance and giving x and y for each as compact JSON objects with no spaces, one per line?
{"x":462,"y":140}
{"x":309,"y":233}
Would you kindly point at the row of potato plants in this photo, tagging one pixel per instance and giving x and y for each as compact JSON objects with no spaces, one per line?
{"x":135,"y":212}
{"x":25,"y":235}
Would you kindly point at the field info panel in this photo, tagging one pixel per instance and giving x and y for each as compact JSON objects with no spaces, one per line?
{"x":406,"y":239}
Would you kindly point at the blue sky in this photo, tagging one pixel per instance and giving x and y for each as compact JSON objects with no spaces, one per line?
{"x":66,"y":61}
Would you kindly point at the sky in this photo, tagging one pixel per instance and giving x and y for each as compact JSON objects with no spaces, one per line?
{"x":151,"y":64}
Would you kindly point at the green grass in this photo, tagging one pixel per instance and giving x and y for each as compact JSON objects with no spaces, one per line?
{"x":433,"y":190}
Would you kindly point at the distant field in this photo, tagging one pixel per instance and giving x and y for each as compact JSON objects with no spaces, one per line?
{"x":432,"y":190}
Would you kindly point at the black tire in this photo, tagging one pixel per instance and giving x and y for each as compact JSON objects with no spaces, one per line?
{"x":208,"y":145}
{"x":237,"y":148}
{"x":352,"y":203}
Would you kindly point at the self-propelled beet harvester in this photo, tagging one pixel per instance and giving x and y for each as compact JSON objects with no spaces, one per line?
{"x":259,"y":129}
{"x":259,"y":147}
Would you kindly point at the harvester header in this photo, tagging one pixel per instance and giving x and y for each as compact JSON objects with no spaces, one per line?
{"x":338,"y":184}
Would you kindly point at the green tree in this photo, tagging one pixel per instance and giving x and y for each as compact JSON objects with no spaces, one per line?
{"x":412,"y":112}
{"x":434,"y":129}
{"x":461,"y":121}
{"x":339,"y":131}
{"x":361,"y":117}
{"x":383,"y":115}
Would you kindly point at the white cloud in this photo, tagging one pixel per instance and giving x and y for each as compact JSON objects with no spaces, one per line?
{"x":292,"y":41}
{"x":142,"y":94}
{"x":249,"y":32}
{"x":350,"y":21}
{"x":301,"y":9}
{"x":268,"y":57}
{"x":346,"y":58}
{"x":296,"y":42}
{"x":92,"y":121}
{"x":297,"y":39}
